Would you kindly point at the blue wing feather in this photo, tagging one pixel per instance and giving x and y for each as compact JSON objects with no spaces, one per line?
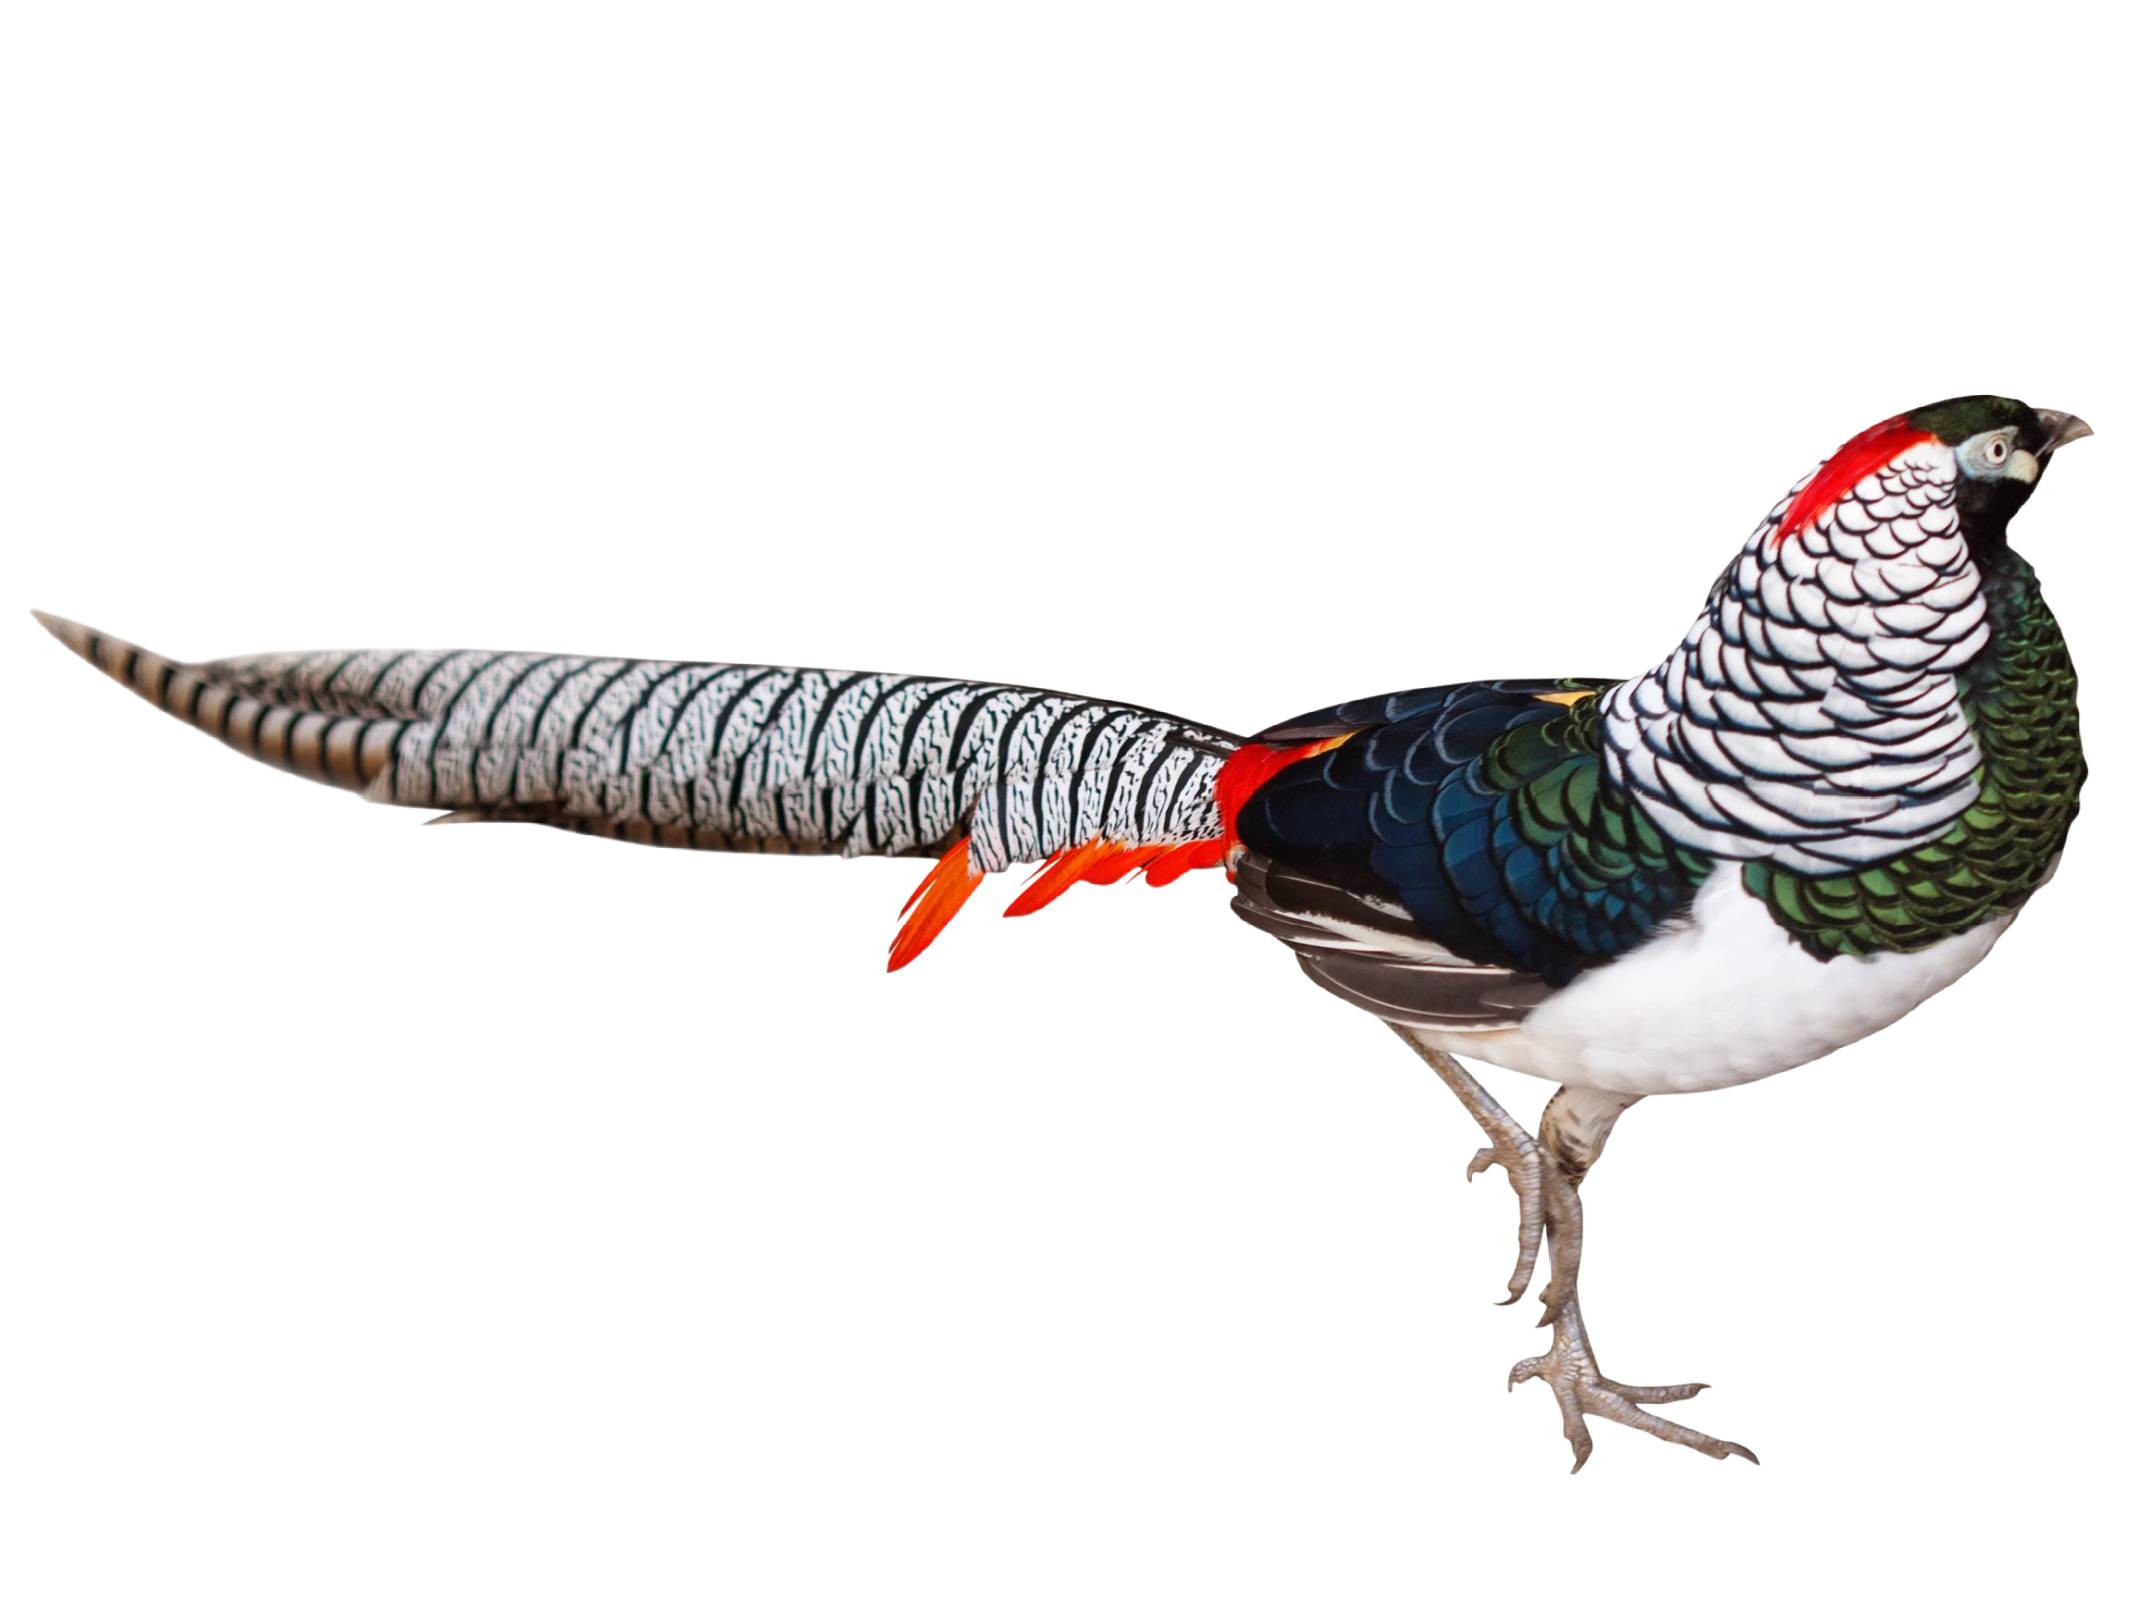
{"x":1484,"y":811}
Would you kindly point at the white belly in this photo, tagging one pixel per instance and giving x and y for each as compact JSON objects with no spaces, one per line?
{"x":1728,"y":998}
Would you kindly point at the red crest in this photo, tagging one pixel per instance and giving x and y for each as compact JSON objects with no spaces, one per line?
{"x":1867,"y":453}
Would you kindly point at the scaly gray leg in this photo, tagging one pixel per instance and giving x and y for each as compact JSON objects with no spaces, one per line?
{"x":1570,"y":1137}
{"x":1510,"y":1147}
{"x":1546,"y":1172}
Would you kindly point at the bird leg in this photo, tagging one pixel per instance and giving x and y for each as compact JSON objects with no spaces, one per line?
{"x":1509,"y":1146}
{"x":1546,"y":1172}
{"x":1570,"y":1137}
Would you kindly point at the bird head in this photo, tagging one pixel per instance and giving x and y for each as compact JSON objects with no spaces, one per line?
{"x":1995,"y":448}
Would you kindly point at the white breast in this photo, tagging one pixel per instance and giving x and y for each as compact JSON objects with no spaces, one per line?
{"x":1725,"y":999}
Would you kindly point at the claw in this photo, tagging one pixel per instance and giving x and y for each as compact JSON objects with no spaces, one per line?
{"x":1576,"y":1429}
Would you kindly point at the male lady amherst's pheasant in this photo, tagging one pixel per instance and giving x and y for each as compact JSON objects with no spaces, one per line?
{"x":1820,"y":808}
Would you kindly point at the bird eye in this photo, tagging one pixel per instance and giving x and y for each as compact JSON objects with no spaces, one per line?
{"x":1989,"y":455}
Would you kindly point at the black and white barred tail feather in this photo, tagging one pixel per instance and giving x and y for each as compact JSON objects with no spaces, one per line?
{"x":774,"y":758}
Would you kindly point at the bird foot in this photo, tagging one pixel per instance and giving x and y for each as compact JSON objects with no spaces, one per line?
{"x":1581,"y":1389}
{"x":1518,"y":1155}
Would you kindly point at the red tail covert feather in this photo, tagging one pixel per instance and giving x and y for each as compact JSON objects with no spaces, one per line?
{"x":1171,"y":863}
{"x":1254,"y":764}
{"x":1113,"y":868}
{"x":936,"y":901}
{"x":1868,"y":452}
{"x":1059,"y":872}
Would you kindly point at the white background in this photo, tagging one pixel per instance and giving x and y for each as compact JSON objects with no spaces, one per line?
{"x":482,"y":1209}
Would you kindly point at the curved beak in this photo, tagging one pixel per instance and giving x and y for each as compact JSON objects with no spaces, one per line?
{"x":2059,"y":427}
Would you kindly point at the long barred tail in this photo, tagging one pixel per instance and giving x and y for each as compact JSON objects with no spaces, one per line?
{"x":726,"y":756}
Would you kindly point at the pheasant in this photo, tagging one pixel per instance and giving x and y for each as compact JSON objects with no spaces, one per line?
{"x":1823,"y":806}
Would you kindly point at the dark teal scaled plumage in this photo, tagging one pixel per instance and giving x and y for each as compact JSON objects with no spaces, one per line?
{"x":1483,"y":810}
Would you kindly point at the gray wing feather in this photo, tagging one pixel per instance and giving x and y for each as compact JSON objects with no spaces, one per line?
{"x":1368,"y":952}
